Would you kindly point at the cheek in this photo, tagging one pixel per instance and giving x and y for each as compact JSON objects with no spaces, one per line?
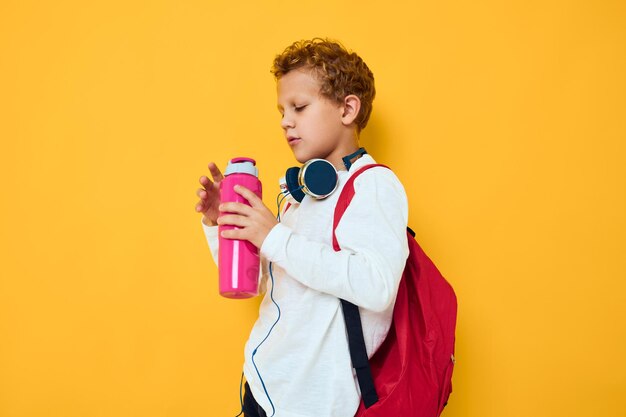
{"x":327,"y":119}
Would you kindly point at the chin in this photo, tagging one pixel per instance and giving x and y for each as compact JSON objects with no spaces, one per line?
{"x":302,"y":157}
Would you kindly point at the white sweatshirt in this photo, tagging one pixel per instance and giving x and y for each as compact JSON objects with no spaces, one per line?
{"x":305,"y":362}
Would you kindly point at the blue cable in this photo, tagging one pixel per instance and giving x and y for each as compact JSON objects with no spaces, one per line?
{"x":240,"y":395}
{"x":264,"y":339}
{"x":279,"y":199}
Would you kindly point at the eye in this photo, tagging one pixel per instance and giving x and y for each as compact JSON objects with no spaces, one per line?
{"x":299,"y":108}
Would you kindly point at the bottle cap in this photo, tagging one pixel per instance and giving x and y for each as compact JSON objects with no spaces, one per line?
{"x":242,"y":166}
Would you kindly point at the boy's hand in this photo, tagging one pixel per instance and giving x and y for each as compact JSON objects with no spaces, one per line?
{"x":254,"y":221}
{"x":210,"y":196}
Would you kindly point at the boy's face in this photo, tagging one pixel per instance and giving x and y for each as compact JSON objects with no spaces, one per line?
{"x":312,"y":123}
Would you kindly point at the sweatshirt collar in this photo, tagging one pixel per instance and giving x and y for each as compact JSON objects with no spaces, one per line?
{"x":366,"y":159}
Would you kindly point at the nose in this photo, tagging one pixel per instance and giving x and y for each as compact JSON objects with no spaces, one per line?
{"x":286,"y":122}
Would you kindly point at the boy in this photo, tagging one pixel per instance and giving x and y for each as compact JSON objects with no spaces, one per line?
{"x":303,"y":367}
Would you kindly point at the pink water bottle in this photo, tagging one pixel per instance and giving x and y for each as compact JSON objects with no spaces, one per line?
{"x":238,"y":259}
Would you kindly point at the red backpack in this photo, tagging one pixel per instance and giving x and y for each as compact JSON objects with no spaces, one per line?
{"x":411,"y":373}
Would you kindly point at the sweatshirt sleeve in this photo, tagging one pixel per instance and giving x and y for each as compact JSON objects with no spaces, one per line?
{"x":210,"y":233}
{"x":373,"y":240}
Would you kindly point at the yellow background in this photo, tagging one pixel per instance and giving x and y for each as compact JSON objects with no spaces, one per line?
{"x":506,"y":122}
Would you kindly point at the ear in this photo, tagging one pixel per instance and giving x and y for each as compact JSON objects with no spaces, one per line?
{"x":350,"y":109}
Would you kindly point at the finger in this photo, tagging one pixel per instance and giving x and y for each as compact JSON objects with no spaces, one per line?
{"x":246,"y":193}
{"x":201,"y":192}
{"x":233,"y":220}
{"x":233,"y":234}
{"x":215,"y":172}
{"x":205,"y":181}
{"x":236,"y":208}
{"x":201,"y":205}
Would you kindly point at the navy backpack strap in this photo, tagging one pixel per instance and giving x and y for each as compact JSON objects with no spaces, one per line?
{"x":358,"y":353}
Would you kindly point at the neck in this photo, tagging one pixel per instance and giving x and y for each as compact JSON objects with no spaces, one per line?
{"x":348,"y":146}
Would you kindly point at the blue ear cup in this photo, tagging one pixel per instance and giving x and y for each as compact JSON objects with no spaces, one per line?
{"x":317,"y":178}
{"x":291,"y":178}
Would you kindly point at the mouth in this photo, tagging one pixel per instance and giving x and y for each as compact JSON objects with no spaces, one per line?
{"x":292,"y":140}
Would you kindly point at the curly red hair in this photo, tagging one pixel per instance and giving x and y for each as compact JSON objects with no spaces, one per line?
{"x":339,"y":71}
